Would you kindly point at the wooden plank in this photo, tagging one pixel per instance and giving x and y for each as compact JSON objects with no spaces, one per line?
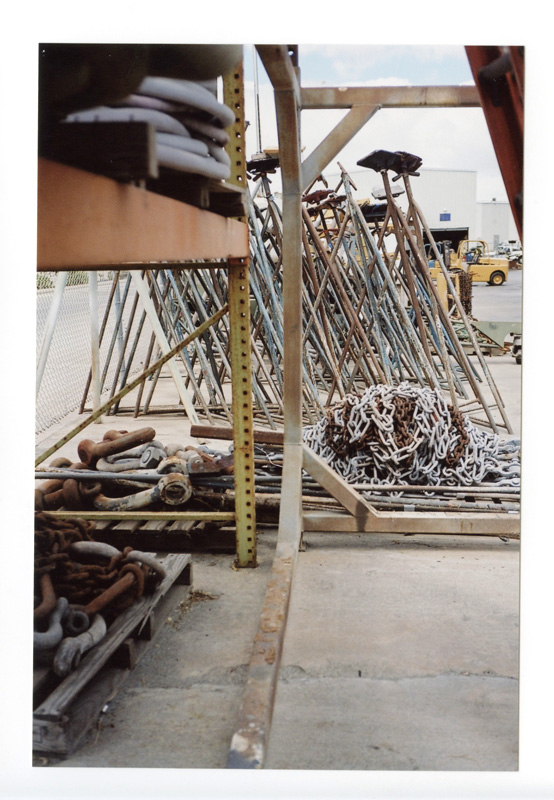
{"x":61,"y":720}
{"x":436,"y":522}
{"x":335,"y":484}
{"x":201,"y":538}
{"x":261,"y":436}
{"x":87,"y":221}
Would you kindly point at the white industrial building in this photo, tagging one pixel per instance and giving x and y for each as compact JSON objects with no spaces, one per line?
{"x":448,"y":201}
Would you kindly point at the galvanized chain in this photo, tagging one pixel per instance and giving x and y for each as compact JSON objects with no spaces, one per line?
{"x":410,"y":435}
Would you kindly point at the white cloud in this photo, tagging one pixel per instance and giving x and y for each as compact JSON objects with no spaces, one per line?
{"x":351,"y":61}
{"x":374,"y":53}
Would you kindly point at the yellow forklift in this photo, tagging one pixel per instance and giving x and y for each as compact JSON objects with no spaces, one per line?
{"x":474,"y":258}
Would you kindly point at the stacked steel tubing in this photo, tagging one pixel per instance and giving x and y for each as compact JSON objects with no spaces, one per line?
{"x":358,"y":330}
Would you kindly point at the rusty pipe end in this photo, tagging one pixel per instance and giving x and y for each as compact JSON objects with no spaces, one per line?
{"x":86,"y":450}
{"x":175,"y":488}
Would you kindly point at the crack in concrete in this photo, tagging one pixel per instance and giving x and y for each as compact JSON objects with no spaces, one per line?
{"x":291,"y":673}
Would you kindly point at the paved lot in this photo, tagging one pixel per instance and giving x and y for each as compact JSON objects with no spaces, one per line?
{"x":401,"y":656}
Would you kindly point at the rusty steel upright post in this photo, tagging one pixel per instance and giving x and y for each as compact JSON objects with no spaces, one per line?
{"x":243,"y":423}
{"x":240,"y":342}
{"x":250,"y":740}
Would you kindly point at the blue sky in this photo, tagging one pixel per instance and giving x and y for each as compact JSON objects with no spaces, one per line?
{"x":351,"y":63}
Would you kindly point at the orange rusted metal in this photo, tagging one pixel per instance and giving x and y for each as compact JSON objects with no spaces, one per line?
{"x":88,"y":221}
{"x":498,"y":74}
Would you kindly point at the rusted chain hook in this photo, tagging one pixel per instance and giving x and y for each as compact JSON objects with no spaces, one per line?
{"x":131,"y":574}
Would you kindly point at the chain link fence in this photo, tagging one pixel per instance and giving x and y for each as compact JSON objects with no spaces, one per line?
{"x":64,"y":376}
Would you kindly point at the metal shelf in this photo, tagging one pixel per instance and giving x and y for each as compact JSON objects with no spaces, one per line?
{"x":88,"y":221}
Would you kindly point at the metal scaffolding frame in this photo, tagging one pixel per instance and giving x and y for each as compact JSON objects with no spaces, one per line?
{"x":88,"y":221}
{"x":249,"y":743}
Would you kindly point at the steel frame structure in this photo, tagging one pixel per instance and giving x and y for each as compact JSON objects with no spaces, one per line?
{"x":87,"y":221}
{"x":249,"y":742}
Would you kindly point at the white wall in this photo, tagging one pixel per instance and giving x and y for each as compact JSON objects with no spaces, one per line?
{"x":435,"y":190}
{"x":496,"y":223}
{"x":438,"y":191}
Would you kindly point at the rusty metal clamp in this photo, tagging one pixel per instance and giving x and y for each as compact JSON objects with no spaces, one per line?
{"x":89,"y":451}
{"x":173,"y":464}
{"x":131,"y":577}
{"x":152,"y":456}
{"x":48,"y":598}
{"x":119,"y":465}
{"x":75,"y":621}
{"x":173,"y":489}
{"x":87,"y":550}
{"x":136,"y":556}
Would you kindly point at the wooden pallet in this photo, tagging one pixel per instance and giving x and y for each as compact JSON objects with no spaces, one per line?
{"x":65,"y":709}
{"x":168,"y":537}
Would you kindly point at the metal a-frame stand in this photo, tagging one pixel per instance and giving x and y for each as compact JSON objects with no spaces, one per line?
{"x":249,"y":743}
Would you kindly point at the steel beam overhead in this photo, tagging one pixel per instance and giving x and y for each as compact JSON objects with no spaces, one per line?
{"x":331,"y":146}
{"x":390,"y":97}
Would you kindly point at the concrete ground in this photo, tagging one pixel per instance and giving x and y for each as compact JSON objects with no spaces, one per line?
{"x":401,"y":652}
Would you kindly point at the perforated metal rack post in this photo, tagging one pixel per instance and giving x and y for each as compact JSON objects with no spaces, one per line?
{"x":241,"y":367}
{"x":87,"y":221}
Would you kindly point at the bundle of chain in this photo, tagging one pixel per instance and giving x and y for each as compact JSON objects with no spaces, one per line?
{"x":466,"y":291}
{"x":81,"y":584}
{"x":409,"y":435}
{"x":53,"y":538}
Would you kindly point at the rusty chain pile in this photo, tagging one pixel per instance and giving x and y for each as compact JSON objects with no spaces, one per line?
{"x":410,"y":435}
{"x":81,"y":586}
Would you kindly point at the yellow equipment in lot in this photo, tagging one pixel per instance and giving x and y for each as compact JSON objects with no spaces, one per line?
{"x":473,"y":257}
